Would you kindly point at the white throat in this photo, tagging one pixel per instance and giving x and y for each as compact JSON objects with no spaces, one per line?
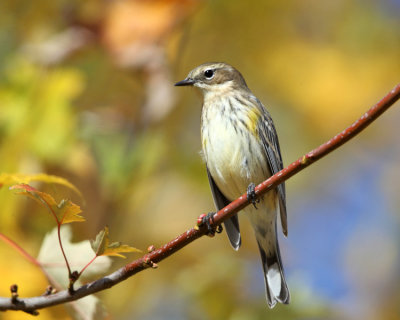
{"x":216,"y":90}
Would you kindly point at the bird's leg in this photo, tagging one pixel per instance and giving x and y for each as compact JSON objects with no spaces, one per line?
{"x":251,"y":194}
{"x":207,"y":219}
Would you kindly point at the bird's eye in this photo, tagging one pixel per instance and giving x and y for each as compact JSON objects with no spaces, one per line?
{"x":209,"y":73}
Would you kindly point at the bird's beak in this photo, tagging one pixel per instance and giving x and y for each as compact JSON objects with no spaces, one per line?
{"x":186,"y":82}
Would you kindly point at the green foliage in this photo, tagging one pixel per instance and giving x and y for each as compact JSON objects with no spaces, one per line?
{"x":37,"y":115}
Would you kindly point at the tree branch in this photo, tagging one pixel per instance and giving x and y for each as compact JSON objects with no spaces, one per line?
{"x":157,"y":255}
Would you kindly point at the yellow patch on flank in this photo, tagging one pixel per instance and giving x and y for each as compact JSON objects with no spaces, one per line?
{"x":204,"y":143}
{"x":253,"y":116}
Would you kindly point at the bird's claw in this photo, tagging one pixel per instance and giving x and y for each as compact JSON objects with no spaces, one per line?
{"x":251,"y":194}
{"x":208,"y":219}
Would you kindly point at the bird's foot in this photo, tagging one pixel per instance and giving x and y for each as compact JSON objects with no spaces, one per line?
{"x":251,"y":194}
{"x":208,"y":220}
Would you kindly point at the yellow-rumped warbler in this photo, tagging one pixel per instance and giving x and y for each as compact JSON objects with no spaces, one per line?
{"x":240,"y":148}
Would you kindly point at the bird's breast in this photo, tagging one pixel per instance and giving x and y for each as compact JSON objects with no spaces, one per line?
{"x":231,"y":145}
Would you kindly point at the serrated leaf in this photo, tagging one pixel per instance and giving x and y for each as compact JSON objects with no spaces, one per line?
{"x":17,"y":178}
{"x":99,"y":243}
{"x":102,"y":246}
{"x":69,"y":212}
{"x":65,"y":212}
{"x":42,"y":198}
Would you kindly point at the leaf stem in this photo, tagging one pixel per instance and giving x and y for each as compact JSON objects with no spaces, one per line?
{"x":62,"y":249}
{"x":88,"y":264}
{"x":59,"y":223}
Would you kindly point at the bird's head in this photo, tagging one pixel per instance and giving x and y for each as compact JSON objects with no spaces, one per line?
{"x":214,"y":77}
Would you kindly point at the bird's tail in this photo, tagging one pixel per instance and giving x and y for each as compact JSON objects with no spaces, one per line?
{"x":275,"y":283}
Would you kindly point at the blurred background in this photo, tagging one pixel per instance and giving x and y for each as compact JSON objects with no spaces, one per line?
{"x":86,"y":93}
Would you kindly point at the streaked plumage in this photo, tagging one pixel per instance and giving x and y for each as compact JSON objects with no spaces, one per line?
{"x":240,"y":146}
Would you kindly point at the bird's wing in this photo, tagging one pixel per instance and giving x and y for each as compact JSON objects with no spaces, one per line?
{"x":232,"y":224}
{"x":270,"y":141}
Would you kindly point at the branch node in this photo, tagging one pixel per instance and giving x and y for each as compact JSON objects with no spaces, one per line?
{"x":148,"y":263}
{"x":151,"y":248}
{"x":146,"y":260}
{"x":14,"y":293}
{"x":71,"y":289}
{"x":72,"y":279}
{"x":200,"y":220}
{"x":49,"y":290}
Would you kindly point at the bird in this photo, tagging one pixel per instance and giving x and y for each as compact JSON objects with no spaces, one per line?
{"x":241,"y":149}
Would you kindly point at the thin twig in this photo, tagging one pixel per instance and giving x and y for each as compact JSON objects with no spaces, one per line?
{"x":62,"y":248}
{"x":194,"y":233}
{"x":87,"y":265}
{"x":59,"y":223}
{"x":17,"y":247}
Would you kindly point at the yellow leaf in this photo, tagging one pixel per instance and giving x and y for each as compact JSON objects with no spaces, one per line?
{"x":64,"y":212}
{"x":42,"y":198}
{"x":7,"y":179}
{"x":69,"y":212}
{"x":102,"y":246}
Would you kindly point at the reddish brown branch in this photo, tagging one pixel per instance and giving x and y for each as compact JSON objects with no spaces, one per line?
{"x":157,"y":255}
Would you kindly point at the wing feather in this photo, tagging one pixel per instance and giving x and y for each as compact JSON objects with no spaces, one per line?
{"x":232,"y":224}
{"x":270,"y":141}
